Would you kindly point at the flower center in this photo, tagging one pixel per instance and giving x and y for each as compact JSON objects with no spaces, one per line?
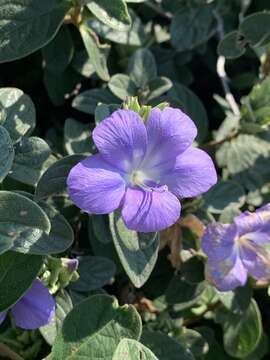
{"x":140,"y":179}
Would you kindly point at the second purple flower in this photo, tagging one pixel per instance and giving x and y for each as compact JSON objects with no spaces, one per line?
{"x":142,"y":168}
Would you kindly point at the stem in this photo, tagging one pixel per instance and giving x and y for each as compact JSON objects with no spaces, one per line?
{"x":196,"y":318}
{"x":222,"y":72}
{"x":6,"y":351}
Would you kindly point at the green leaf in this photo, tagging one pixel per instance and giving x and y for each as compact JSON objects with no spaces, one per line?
{"x":27,"y":25}
{"x":165,"y":347}
{"x":60,"y":86}
{"x":97,"y":338}
{"x":17,"y":273}
{"x":182,"y":293}
{"x":256,"y":29}
{"x":255,"y":110}
{"x":82,"y":64}
{"x":182,"y":97}
{"x":137,"y":251}
{"x":158,"y":87}
{"x":192,"y":26}
{"x":95,"y":272}
{"x":59,"y":52}
{"x":122,"y":86}
{"x":134,"y":36}
{"x":57,"y":241}
{"x":242,"y":333}
{"x":142,"y":67}
{"x":31,"y":155}
{"x":77,"y":137}
{"x":101,"y":228}
{"x":132,"y":350}
{"x":88,"y":100}
{"x":246,"y":157}
{"x":6,"y":153}
{"x":114,"y":13}
{"x":53,"y":181}
{"x":20,"y":220}
{"x":224,"y":194}
{"x":237,"y":301}
{"x":20,"y":113}
{"x":63,"y":307}
{"x":97,"y":53}
{"x":194,"y":341}
{"x":103,"y":111}
{"x":230,"y":46}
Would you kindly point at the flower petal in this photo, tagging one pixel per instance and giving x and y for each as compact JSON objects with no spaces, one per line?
{"x":35,"y":308}
{"x":170,"y":132}
{"x":255,"y":255}
{"x":95,"y":186}
{"x":224,"y":268}
{"x":121,"y":139}
{"x":194,"y":173}
{"x":218,"y":241}
{"x":249,"y":222}
{"x":228,"y":274}
{"x":149,"y":211}
{"x":3,"y":315}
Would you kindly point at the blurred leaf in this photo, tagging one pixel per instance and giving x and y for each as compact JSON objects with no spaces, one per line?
{"x":21,"y":220}
{"x":237,"y":301}
{"x":137,"y":251}
{"x":182,"y":293}
{"x":180,"y":96}
{"x":103,"y":111}
{"x":158,"y":87}
{"x":134,"y":36}
{"x":255,"y":110}
{"x":20,"y":113}
{"x":142,"y":67}
{"x":256,"y":28}
{"x":165,"y":347}
{"x":114,"y":13}
{"x":100,"y":224}
{"x":230,"y":46}
{"x":97,"y":338}
{"x":17,"y":273}
{"x":122,"y":86}
{"x":194,"y":341}
{"x":59,"y":239}
{"x":63,"y":307}
{"x":132,"y":350}
{"x":96,"y":52}
{"x":6,"y":153}
{"x":242,"y":333}
{"x":27,"y":25}
{"x":82,"y":64}
{"x":59,"y":52}
{"x":30,"y":159}
{"x":88,"y":100}
{"x":77,"y":137}
{"x":192,"y":26}
{"x":95,"y":272}
{"x":53,"y":181}
{"x":224,"y":194}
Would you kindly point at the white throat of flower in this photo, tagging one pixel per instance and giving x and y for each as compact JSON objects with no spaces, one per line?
{"x":139,"y":178}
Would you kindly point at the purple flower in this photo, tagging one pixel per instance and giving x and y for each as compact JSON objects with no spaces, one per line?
{"x":238,"y":250}
{"x":34,"y":309}
{"x":142,"y":169}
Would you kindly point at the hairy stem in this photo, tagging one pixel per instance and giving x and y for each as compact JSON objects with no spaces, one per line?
{"x":222,"y":72}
